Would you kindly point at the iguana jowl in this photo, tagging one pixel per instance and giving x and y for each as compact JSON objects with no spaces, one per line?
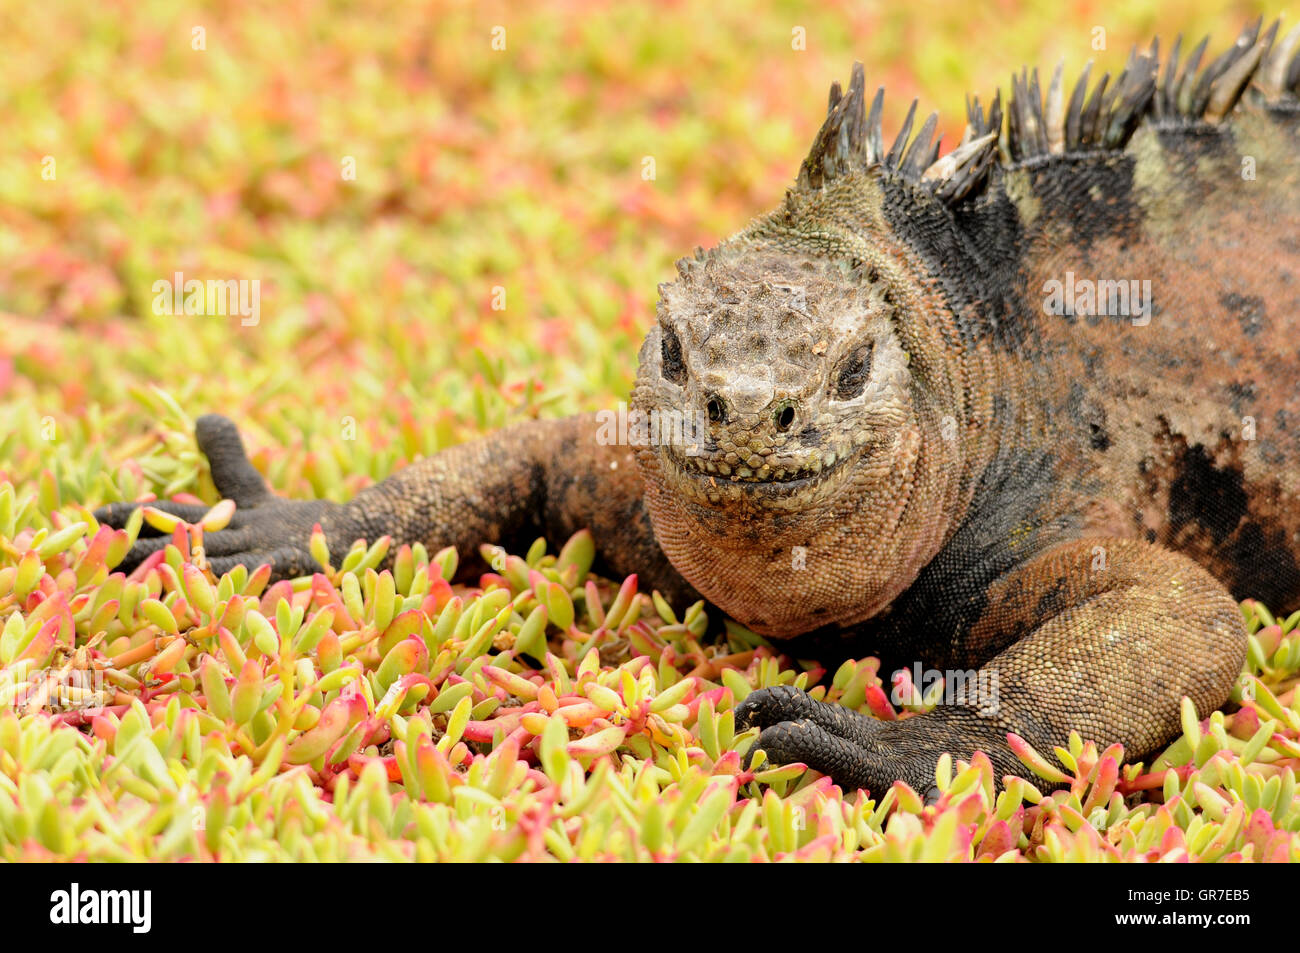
{"x":1029,"y":409}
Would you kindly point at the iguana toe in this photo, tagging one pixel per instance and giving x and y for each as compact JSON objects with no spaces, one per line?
{"x":806,"y":742}
{"x":768,"y":706}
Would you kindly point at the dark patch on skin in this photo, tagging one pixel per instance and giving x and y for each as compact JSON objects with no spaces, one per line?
{"x":1093,"y":195}
{"x":1266,"y":567}
{"x":1248,"y":310}
{"x":1190,"y":149}
{"x":1203,"y":494}
{"x":978,"y":294}
{"x":994,"y":225}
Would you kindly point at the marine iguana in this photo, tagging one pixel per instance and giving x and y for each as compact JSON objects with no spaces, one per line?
{"x":1028,"y":408}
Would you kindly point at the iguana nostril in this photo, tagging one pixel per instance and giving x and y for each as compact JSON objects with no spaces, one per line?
{"x":715,"y":409}
{"x":785,"y":417}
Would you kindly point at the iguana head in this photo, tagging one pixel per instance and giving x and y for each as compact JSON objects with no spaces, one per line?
{"x":815,"y":482}
{"x":788,"y":372}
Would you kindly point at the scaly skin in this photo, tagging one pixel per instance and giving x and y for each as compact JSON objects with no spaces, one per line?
{"x":900,"y":450}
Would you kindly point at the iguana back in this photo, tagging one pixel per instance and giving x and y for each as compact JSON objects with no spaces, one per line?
{"x":1177,"y":415}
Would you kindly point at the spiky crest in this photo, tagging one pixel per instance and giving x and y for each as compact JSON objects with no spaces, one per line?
{"x":850,"y":140}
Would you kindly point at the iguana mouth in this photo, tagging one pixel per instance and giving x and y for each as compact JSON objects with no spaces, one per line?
{"x":709,"y":476}
{"x":710,"y":468}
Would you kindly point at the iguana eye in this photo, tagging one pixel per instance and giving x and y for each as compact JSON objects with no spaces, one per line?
{"x":853,"y":373}
{"x":670,"y":349}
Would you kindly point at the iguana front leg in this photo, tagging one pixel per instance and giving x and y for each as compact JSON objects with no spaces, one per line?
{"x":536,"y":478}
{"x":1113,"y":633}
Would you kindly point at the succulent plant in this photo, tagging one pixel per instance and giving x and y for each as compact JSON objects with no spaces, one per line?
{"x":172,"y":714}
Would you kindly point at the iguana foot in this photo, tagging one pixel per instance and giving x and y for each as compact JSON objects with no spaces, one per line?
{"x":828,"y":738}
{"x":265,"y":529}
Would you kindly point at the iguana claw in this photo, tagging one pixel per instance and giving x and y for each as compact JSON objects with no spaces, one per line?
{"x":829,"y":738}
{"x":265,"y":529}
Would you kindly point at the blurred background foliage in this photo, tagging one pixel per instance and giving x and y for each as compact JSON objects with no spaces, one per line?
{"x":211,"y":140}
